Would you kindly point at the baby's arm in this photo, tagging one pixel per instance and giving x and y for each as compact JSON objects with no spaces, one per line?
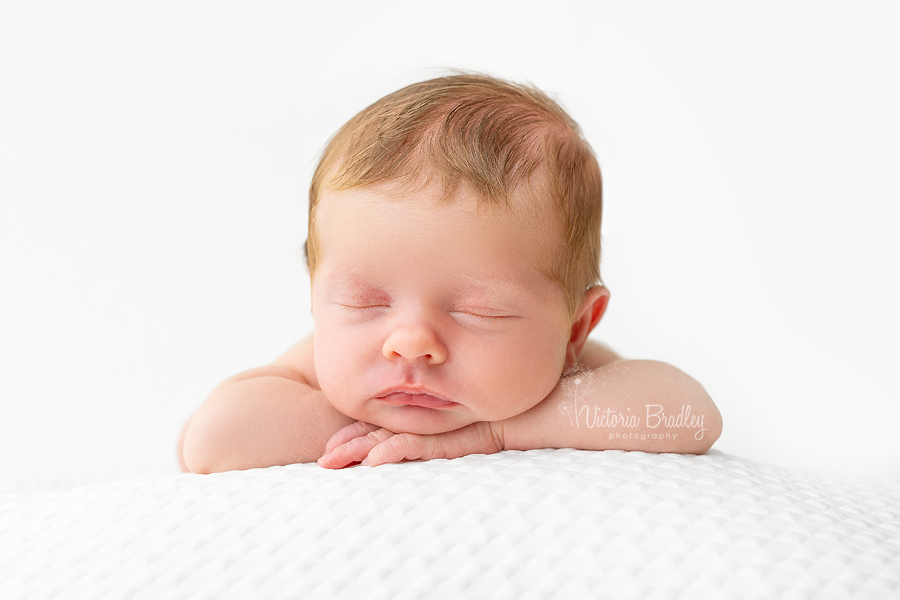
{"x":273,"y":415}
{"x":625,"y":405}
{"x":613,"y":404}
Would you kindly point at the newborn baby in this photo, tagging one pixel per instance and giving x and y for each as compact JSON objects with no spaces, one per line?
{"x":453,"y":253}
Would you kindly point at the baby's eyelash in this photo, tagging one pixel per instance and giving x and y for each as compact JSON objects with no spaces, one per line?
{"x":471,"y":314}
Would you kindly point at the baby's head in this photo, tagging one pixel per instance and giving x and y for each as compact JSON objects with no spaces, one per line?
{"x":454,"y":247}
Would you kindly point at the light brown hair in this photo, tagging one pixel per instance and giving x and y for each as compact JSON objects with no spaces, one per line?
{"x":498,"y":137}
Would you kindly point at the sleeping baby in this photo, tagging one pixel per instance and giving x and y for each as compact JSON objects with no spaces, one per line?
{"x":454,"y":256}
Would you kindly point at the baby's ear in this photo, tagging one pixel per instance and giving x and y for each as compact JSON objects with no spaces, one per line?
{"x":306,"y":255}
{"x":594,"y":304}
{"x":599,"y":296}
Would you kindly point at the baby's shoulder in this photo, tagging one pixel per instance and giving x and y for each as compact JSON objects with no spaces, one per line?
{"x":300,"y":358}
{"x":596,"y":355}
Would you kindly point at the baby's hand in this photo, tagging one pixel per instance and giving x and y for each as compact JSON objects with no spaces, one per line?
{"x":374,"y":445}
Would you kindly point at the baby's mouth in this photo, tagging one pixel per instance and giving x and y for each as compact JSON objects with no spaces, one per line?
{"x":423,"y":400}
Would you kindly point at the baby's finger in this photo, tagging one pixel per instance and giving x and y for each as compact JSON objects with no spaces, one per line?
{"x":353,"y":430}
{"x":401,"y":447}
{"x":353,"y":451}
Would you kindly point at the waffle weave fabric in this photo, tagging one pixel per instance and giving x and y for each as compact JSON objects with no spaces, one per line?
{"x":537,"y":524}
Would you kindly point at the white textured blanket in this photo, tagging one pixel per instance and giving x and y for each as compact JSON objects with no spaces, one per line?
{"x":536,"y":524}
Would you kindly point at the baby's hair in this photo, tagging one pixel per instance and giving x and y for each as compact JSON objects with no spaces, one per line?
{"x":502,"y":139}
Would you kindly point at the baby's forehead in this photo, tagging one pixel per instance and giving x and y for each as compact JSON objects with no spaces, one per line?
{"x":527,"y":203}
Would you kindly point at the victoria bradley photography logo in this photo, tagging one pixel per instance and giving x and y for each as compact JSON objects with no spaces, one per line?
{"x":579,"y":382}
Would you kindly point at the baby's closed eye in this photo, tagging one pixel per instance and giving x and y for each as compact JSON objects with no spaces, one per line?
{"x":484,"y":313}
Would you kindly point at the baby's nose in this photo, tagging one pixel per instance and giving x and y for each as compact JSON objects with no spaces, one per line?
{"x":415,"y":344}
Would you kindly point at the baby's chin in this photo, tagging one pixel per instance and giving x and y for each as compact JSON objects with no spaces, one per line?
{"x":417,"y":419}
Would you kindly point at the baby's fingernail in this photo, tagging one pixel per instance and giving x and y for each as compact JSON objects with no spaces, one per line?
{"x":365,"y":462}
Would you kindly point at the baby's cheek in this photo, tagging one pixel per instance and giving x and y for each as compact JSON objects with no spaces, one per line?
{"x":532,"y":384}
{"x":328,"y":372}
{"x":336,"y":390}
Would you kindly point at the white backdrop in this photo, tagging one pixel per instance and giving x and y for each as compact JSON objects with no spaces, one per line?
{"x":155,"y":160}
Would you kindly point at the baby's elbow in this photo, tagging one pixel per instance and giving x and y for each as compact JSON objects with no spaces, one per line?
{"x":180,"y":448}
{"x":199,"y":451}
{"x":711,"y":427}
{"x":717,"y":423}
{"x":193,"y":455}
{"x":704,"y":414}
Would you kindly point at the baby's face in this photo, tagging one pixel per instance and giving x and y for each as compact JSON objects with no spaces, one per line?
{"x":447,"y":299}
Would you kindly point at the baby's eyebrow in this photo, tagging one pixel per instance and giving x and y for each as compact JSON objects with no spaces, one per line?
{"x":484,"y":283}
{"x":492,"y":283}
